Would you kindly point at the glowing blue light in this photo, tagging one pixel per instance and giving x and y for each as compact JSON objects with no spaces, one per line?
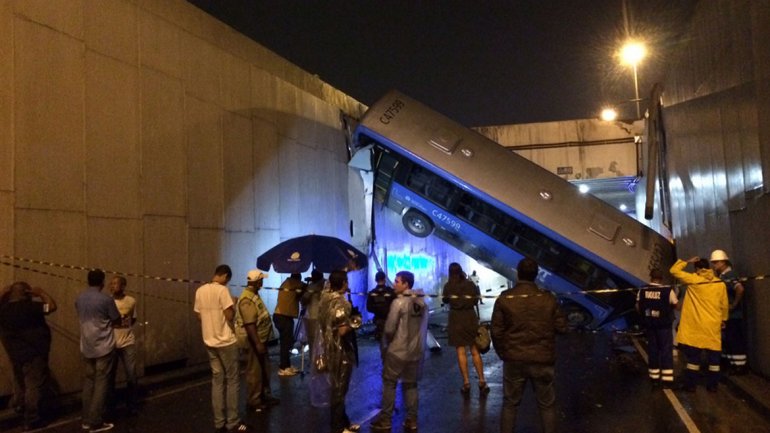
{"x":406,"y":261}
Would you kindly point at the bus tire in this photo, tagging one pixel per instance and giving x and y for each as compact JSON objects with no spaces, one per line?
{"x":577,"y":316}
{"x":417,"y":223}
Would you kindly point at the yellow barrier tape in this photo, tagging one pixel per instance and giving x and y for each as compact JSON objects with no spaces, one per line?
{"x":300,"y":291}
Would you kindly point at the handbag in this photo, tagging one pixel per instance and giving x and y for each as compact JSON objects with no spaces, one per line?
{"x":483,"y":340}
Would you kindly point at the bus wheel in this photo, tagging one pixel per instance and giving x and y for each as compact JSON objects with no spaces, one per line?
{"x":416,"y":223}
{"x":577,"y":316}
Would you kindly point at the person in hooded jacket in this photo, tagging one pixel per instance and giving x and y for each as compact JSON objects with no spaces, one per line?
{"x":704,"y":311}
{"x":404,"y":337}
{"x":337,"y":324}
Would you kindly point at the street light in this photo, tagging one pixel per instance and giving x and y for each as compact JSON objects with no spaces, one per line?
{"x":609,"y":114}
{"x":631,"y":54}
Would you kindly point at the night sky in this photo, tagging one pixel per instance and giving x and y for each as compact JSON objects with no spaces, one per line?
{"x":478,"y":62}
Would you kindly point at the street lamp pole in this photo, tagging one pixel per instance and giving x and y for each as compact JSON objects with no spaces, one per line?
{"x":636,"y":93}
{"x":631,"y":54}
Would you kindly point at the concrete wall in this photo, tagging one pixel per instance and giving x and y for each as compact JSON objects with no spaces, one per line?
{"x":717,"y":118}
{"x":590,"y":148}
{"x":146,"y":137}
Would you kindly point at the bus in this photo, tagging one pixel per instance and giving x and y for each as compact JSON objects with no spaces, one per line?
{"x":497,"y":207}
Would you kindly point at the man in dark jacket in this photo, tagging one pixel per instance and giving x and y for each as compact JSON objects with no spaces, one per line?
{"x":525,"y":321}
{"x":378,"y":303}
{"x":27,"y":340}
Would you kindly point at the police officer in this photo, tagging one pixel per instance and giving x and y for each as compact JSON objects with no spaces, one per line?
{"x":655,"y":303}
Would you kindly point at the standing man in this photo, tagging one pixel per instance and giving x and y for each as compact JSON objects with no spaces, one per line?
{"x":704,"y":310}
{"x":214,"y":307}
{"x":525,"y":321}
{"x":97,"y":314}
{"x":125,"y":341}
{"x":254,"y":318}
{"x":27,"y":340}
{"x":655,"y":303}
{"x":734,"y":343}
{"x":404,"y":340}
{"x":338,"y":326}
{"x":286,"y":310}
{"x":378,"y":303}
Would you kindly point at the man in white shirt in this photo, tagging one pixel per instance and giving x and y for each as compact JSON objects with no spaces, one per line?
{"x":125,"y":340}
{"x":216,"y":311}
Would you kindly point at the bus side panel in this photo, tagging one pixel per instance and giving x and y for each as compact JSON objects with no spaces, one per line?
{"x":486,"y":250}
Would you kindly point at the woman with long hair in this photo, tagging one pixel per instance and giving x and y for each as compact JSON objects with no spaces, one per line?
{"x":462,"y":296}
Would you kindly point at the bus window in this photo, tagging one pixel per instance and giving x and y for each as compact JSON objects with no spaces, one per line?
{"x":578,"y":270}
{"x":418,"y":180}
{"x":441,"y":192}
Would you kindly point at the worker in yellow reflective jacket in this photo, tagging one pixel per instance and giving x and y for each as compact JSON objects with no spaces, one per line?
{"x":704,"y":311}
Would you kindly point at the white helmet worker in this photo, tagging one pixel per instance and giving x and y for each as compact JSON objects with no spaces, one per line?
{"x":718,"y":256}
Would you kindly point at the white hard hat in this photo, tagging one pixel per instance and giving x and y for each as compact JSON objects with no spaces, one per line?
{"x":718,"y":255}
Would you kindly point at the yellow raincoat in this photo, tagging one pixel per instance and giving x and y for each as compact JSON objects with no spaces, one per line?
{"x":704,"y":309}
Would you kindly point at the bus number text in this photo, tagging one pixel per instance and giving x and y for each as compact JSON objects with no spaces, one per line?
{"x":391,"y":111}
{"x":447,"y":220}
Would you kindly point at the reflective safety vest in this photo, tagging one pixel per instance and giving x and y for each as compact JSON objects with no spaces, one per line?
{"x":655,"y":307}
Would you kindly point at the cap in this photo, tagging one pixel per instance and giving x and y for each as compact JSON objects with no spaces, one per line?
{"x":718,"y":255}
{"x":256,"y":275}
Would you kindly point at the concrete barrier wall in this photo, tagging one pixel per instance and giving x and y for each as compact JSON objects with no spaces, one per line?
{"x":717,"y":118}
{"x":146,"y":137}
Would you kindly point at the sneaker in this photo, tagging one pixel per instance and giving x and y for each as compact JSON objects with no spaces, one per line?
{"x":103,"y":427}
{"x":85,"y":427}
{"x":380,"y":424}
{"x":410,"y":424}
{"x":354,"y":428}
{"x":287,"y":372}
{"x":240,"y":428}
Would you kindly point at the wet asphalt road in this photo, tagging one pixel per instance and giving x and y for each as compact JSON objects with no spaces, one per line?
{"x":601,"y":387}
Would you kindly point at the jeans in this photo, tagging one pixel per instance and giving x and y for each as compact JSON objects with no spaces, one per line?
{"x":126,"y":355}
{"x":285,"y":326}
{"x":225,"y":385}
{"x":392,"y":370}
{"x":515,"y":377}
{"x":95,"y":387}
{"x":31,"y":379}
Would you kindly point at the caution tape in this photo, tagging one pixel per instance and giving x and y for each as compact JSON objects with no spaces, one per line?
{"x":303,"y":290}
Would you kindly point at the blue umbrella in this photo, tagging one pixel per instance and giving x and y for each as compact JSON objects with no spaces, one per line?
{"x":325,"y":253}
